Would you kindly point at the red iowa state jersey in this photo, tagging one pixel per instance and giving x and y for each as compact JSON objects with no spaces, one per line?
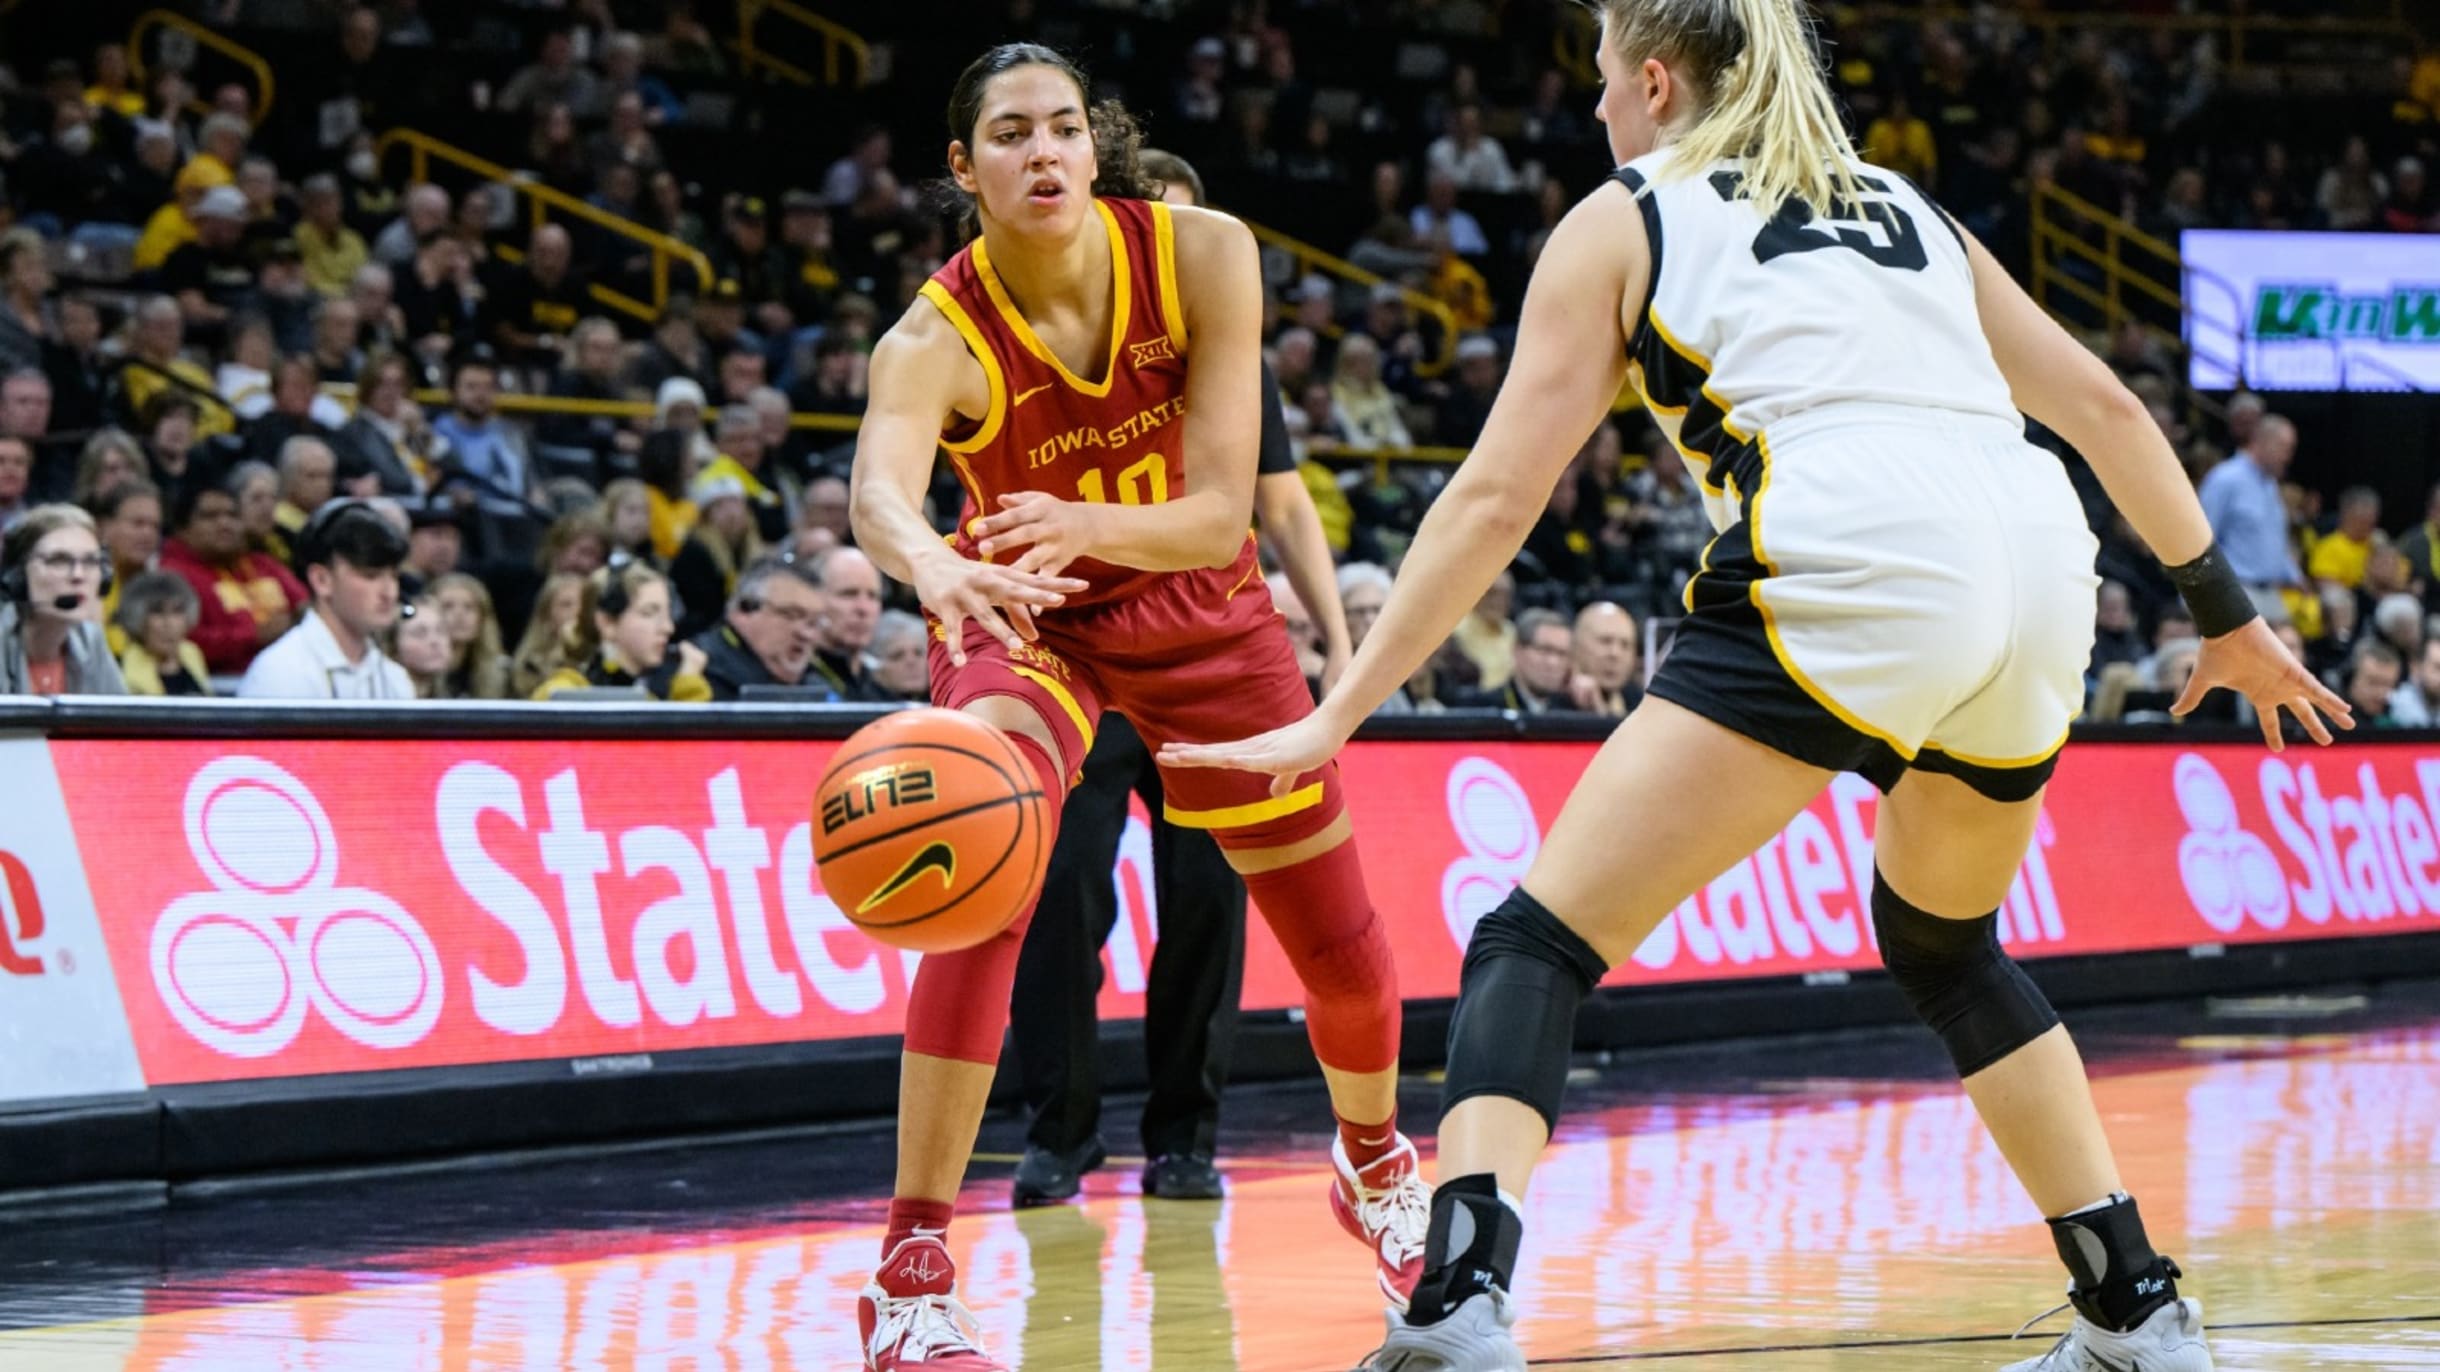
{"x":1121,"y":438}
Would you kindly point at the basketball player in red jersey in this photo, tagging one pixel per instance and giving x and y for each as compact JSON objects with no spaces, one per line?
{"x":1103,"y":558}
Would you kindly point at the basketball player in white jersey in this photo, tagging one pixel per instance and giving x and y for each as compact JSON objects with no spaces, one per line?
{"x":1902,"y":587}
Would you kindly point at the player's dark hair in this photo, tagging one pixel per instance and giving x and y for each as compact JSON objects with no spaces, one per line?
{"x":1117,"y":139}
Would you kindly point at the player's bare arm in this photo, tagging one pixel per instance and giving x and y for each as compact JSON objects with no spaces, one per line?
{"x":921,"y":376}
{"x":2059,"y":382}
{"x":1220,"y":293}
{"x":1554,"y":395}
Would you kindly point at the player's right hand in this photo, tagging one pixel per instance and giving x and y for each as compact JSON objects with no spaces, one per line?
{"x":2252,"y":662}
{"x":956,"y":589}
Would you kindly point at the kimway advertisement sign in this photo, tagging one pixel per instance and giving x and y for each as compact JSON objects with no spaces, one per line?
{"x":2312,"y":311}
{"x":303,"y":907}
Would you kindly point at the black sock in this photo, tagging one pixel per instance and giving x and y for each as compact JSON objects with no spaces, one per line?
{"x":2119,"y":1280}
{"x":1472,"y":1247}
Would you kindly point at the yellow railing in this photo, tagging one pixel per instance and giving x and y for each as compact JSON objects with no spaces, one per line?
{"x":841,"y":45}
{"x":1310,"y":258}
{"x":2387,"y":21}
{"x":236,"y":52}
{"x":2141,"y":278}
{"x":423,"y":150}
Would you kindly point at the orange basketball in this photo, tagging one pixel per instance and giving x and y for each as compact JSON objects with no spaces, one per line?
{"x":930,"y":831}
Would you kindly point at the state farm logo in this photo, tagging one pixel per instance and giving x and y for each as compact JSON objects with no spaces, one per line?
{"x":2228,"y":872}
{"x":21,"y":922}
{"x":1495,"y":821}
{"x":239,"y":966}
{"x":2364,"y":848}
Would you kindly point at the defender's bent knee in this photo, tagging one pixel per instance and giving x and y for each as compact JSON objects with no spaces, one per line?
{"x":1959,"y":980}
{"x":1525,"y":975}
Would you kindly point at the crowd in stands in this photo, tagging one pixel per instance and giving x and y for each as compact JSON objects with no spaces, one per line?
{"x":212,"y":327}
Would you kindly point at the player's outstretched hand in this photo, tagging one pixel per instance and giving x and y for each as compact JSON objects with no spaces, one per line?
{"x":2252,"y":662}
{"x":1053,"y":532}
{"x":1286,"y":754}
{"x":956,"y":589}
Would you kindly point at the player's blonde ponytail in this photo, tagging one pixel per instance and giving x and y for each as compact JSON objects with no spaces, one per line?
{"x":1764,"y":99}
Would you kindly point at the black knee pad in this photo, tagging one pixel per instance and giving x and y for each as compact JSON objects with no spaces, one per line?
{"x":1524,"y":976}
{"x":1959,"y":980}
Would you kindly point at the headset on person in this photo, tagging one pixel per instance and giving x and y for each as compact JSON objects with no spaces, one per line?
{"x":18,"y":547}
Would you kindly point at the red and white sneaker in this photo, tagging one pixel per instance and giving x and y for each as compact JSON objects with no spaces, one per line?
{"x":1389,"y":1207}
{"x":911,"y":1323}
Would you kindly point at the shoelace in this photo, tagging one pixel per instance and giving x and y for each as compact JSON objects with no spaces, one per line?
{"x":1403,"y":1212}
{"x":916,"y":1327}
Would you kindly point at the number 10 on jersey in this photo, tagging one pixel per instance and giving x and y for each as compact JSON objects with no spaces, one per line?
{"x":1144,"y":482}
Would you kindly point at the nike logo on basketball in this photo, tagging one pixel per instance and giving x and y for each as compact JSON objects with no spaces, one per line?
{"x":1023,"y":396}
{"x":931,"y":857}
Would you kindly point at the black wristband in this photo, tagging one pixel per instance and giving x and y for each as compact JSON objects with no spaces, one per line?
{"x":2213,"y":593}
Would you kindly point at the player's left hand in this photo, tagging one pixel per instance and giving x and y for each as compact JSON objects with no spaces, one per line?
{"x":1052,"y":531}
{"x":1286,"y":754}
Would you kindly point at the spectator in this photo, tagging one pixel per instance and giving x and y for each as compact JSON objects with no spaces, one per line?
{"x":2373,"y":673}
{"x":2421,"y":547}
{"x":589,"y":371}
{"x":825,"y":508}
{"x":2341,"y":556}
{"x":625,"y":511}
{"x":2249,"y":518}
{"x":153,"y":366}
{"x":26,"y":322}
{"x":1545,"y":656}
{"x":308,"y":479}
{"x":851,"y":606}
{"x":381,"y":325}
{"x":554,"y":77}
{"x":51,"y":639}
{"x":667,"y":468}
{"x":2352,"y":192}
{"x":555,"y":154}
{"x":350,"y":556}
{"x":127,"y":519}
{"x":426,"y":214}
{"x":16,"y":476}
{"x":211,"y":275}
{"x":745,"y":253}
{"x":1439,"y":215}
{"x":836,"y":382}
{"x":628,"y":140}
{"x":768,"y":636}
{"x":901,"y":669}
{"x":1468,"y":158}
{"x":337,"y":360}
{"x":112,"y":89}
{"x":76,"y":367}
{"x":743,"y":459}
{"x":423,"y":649}
{"x":544,"y":648}
{"x":247,"y":599}
{"x":535,"y":305}
{"x":1608,"y":651}
{"x":2411,"y":206}
{"x":478,"y":665}
{"x":620,"y":640}
{"x":484,"y":452}
{"x":2116,"y":637}
{"x":435,"y":543}
{"x":257,"y":488}
{"x":675,"y":354}
{"x":298,"y":410}
{"x":577,"y":543}
{"x":440,"y":300}
{"x":1461,"y":414}
{"x":388,"y":433}
{"x":25,"y":405}
{"x":1362,"y":408}
{"x":1486,"y":637}
{"x":1902,"y":142}
{"x":169,"y":445}
{"x":622,"y":62}
{"x":2416,"y":703}
{"x":156,"y":612}
{"x":1304,"y":635}
{"x":724,"y":542}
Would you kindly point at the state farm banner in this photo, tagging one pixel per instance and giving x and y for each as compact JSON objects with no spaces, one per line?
{"x":62,"y":1033}
{"x":289,"y":908}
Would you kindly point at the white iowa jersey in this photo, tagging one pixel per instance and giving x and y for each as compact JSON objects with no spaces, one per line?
{"x":1750,"y":321}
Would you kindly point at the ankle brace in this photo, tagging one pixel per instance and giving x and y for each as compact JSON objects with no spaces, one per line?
{"x":1471,"y":1248}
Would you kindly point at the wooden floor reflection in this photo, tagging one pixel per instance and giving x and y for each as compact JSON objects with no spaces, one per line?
{"x":1809,"y":1223}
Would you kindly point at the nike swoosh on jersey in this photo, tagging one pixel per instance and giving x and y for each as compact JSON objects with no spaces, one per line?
{"x":1023,"y":396}
{"x":932,"y":857}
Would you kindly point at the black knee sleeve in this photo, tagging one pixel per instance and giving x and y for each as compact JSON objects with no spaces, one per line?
{"x":1524,"y":976}
{"x":1959,"y":980}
